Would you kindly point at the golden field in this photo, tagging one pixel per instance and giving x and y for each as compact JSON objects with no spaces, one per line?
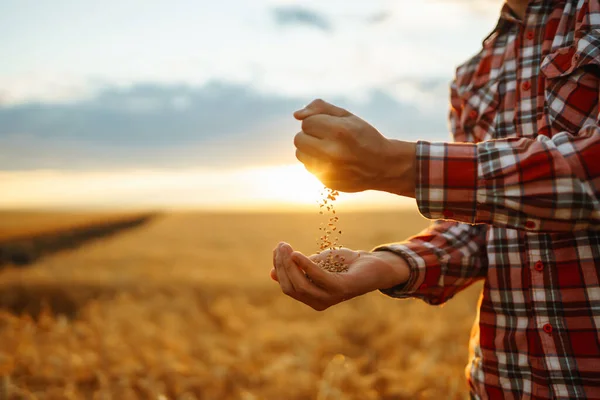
{"x":183,"y":308}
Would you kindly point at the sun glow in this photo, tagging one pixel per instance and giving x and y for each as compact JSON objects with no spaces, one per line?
{"x":272,"y":188}
{"x":289,"y":184}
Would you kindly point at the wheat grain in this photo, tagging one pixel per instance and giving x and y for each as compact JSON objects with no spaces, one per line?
{"x":333,"y":262}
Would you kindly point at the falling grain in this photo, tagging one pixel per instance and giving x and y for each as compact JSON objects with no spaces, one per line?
{"x":332,"y":263}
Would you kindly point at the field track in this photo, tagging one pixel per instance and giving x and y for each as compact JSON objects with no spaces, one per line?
{"x":26,"y":243}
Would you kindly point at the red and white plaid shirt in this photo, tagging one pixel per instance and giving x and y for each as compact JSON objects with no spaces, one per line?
{"x":517,"y":203}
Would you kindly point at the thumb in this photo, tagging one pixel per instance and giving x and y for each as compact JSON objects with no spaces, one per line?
{"x":317,"y":275}
{"x":273,"y":275}
{"x":320,"y":107}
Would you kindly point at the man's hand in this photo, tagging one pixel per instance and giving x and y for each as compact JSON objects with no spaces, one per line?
{"x":303,"y":280}
{"x":349,"y":155}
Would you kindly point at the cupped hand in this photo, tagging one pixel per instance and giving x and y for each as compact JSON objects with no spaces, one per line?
{"x":302,"y":279}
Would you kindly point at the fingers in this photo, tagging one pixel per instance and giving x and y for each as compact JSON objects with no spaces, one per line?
{"x":273,"y":273}
{"x":300,"y":278}
{"x":320,"y":107}
{"x":309,"y":144}
{"x":321,"y":126}
{"x":312,"y":164}
{"x":317,"y":275}
{"x":320,"y":169}
{"x":282,"y":277}
{"x":313,"y":153}
{"x":302,"y":288}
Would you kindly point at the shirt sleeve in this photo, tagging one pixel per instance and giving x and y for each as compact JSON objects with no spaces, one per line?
{"x":443,"y":260}
{"x":448,"y":256}
{"x":542,"y":184}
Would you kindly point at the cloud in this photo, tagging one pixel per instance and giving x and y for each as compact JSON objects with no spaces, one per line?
{"x":379,"y":17}
{"x":215,"y":125}
{"x":295,"y":15}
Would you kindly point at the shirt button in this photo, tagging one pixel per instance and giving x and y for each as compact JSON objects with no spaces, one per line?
{"x":473,"y":114}
{"x":530,"y":35}
{"x":539,"y":266}
{"x":526,"y":85}
{"x":529,"y":224}
{"x":547,"y":328}
{"x":448,"y":214}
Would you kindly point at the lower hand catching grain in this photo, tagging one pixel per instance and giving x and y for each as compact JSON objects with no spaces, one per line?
{"x":301,"y":277}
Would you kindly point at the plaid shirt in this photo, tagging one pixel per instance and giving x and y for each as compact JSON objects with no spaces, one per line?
{"x":517,"y":203}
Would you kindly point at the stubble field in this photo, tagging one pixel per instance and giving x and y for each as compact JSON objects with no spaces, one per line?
{"x":183,"y":308}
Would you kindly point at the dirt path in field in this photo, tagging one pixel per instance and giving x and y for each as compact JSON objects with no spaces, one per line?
{"x":25,"y":247}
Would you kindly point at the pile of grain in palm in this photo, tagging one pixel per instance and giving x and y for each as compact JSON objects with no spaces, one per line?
{"x":329,"y":239}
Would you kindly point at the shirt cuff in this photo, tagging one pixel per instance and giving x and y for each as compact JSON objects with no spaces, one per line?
{"x":413,"y":260}
{"x":417,"y":285}
{"x":447,"y":181}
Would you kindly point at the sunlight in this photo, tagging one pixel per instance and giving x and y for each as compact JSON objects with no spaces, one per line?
{"x":288,"y":184}
{"x":269,"y":188}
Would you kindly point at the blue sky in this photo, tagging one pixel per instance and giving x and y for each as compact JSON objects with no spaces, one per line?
{"x":184,"y":85}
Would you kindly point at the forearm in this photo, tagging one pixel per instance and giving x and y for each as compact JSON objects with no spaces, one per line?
{"x":399,"y":166}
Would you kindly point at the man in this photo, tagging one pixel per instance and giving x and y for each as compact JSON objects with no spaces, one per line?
{"x":516,"y":201}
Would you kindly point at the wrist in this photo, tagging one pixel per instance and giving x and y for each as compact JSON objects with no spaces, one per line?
{"x":398,"y":268}
{"x":399,"y":175}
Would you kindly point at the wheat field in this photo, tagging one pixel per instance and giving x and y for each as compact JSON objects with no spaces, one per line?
{"x":183,"y":308}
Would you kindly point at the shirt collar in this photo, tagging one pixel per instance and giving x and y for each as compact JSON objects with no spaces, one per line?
{"x":508,"y":14}
{"x":507,"y":18}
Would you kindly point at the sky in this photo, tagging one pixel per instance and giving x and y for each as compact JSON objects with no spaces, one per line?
{"x":188,"y":103}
